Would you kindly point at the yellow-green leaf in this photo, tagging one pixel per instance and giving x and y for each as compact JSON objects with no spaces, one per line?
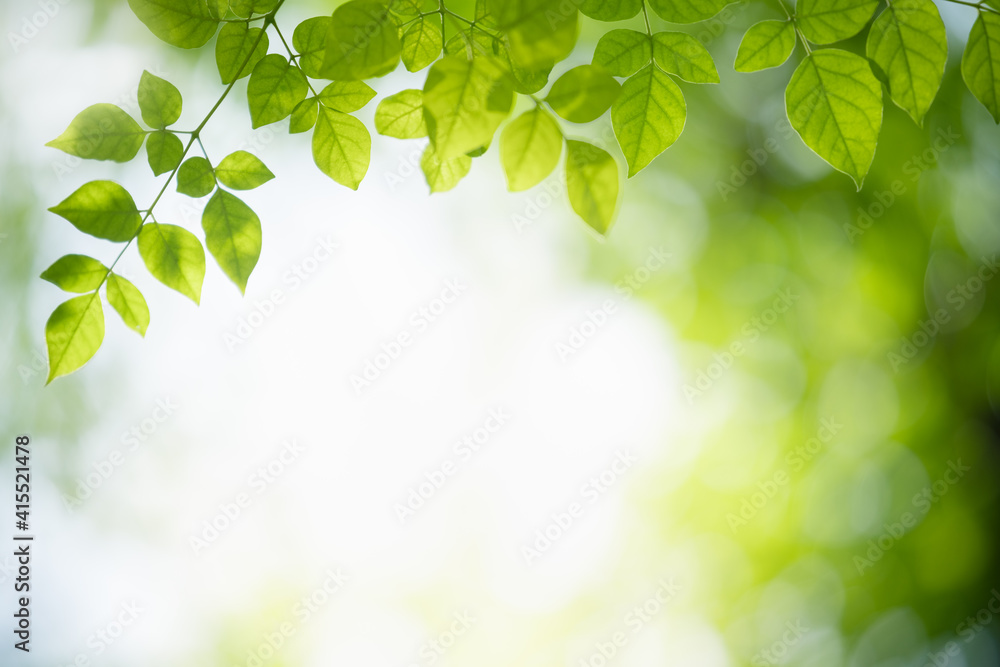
{"x":128,"y":302}
{"x":76,"y":273}
{"x":101,"y":132}
{"x":309,"y":40}
{"x":233,"y":236}
{"x":185,"y":23}
{"x":583,"y":94}
{"x":73,"y":334}
{"x":766,"y":44}
{"x":237,"y":44}
{"x":103,"y":209}
{"x":402,"y":115}
{"x":242,"y":171}
{"x":530,"y":148}
{"x":681,"y":54}
{"x":828,"y":21}
{"x":164,"y":151}
{"x":648,"y":117}
{"x":346,"y":96}
{"x":276,"y":87}
{"x":623,"y":52}
{"x":592,"y":181}
{"x":174,"y":256}
{"x":444,"y":175}
{"x":981,"y":62}
{"x":362,"y":43}
{"x":341,"y":147}
{"x":687,"y":11}
{"x":196,"y":178}
{"x":421,"y":44}
{"x":159,"y":101}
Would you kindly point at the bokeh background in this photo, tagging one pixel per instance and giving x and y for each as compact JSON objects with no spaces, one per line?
{"x":824,"y":496}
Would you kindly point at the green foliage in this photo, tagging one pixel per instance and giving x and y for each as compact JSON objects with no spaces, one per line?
{"x":103,"y":209}
{"x":74,"y":333}
{"x":908,"y":42}
{"x":766,"y":44}
{"x":101,"y":132}
{"x":834,"y":102}
{"x":474,"y":69}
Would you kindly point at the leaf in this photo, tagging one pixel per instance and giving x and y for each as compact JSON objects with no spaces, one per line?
{"x":242,"y":171}
{"x":834,"y":102}
{"x":981,"y":62}
{"x":583,"y":94}
{"x":236,"y":43}
{"x":341,"y":147}
{"x":233,"y":236}
{"x":908,"y":42}
{"x":174,"y":256}
{"x":276,"y":86}
{"x":540,"y":33}
{"x":159,"y":101}
{"x":165,"y":151}
{"x":362,"y":43}
{"x":101,"y":132}
{"x":73,"y":334}
{"x":610,"y":10}
{"x":187,"y":24}
{"x":766,"y":44}
{"x":828,"y":21}
{"x":530,"y":148}
{"x":592,"y":184}
{"x":304,"y":116}
{"x":681,"y":54}
{"x":444,"y":175}
{"x":128,"y":301}
{"x":196,"y":178}
{"x":103,"y":209}
{"x":465,"y":102}
{"x":687,"y":11}
{"x":421,"y":44}
{"x":623,"y":52}
{"x":76,"y":273}
{"x":402,"y":115}
{"x":410,"y":9}
{"x":309,"y":40}
{"x":246,"y":8}
{"x":648,"y":117}
{"x":346,"y":96}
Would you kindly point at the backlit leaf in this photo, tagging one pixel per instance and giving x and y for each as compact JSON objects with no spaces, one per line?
{"x":592,"y":182}
{"x":73,"y":334}
{"x":981,"y":62}
{"x":309,"y":40}
{"x":242,"y":171}
{"x":402,"y":115}
{"x":583,"y":94}
{"x":766,"y":44}
{"x":530,"y":148}
{"x":623,"y":52}
{"x":103,"y":209}
{"x":174,"y":256}
{"x":362,"y":43}
{"x":233,"y":236}
{"x":185,"y":23}
{"x":101,"y":132}
{"x":159,"y":101}
{"x":648,"y":117}
{"x":687,"y":11}
{"x":681,"y":54}
{"x":346,"y":96}
{"x":76,"y":273}
{"x":341,"y":147}
{"x":237,"y":42}
{"x":610,"y":10}
{"x":828,"y":21}
{"x":444,"y":175}
{"x":128,"y":302}
{"x":165,"y":151}
{"x":276,"y":87}
{"x":421,"y":44}
{"x":196,"y":178}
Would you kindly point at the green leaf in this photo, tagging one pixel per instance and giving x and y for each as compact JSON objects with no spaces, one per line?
{"x":444,"y":175}
{"x":362,"y":43}
{"x":73,"y":334}
{"x":681,"y":54}
{"x":346,"y":96}
{"x":834,"y":102}
{"x":687,"y":11}
{"x":540,"y":33}
{"x":246,"y":8}
{"x":592,"y":183}
{"x":187,"y":24}
{"x":196,"y":178}
{"x":623,"y":52}
{"x":101,"y":132}
{"x":128,"y":301}
{"x":828,"y":21}
{"x":159,"y":101}
{"x":233,"y":236}
{"x":610,"y":10}
{"x":421,"y":44}
{"x":766,"y":44}
{"x":276,"y":87}
{"x":165,"y":151}
{"x":237,"y":42}
{"x":583,"y":94}
{"x":341,"y":147}
{"x":175,"y":257}
{"x":410,"y":9}
{"x":304,"y":116}
{"x":76,"y":273}
{"x":103,"y":209}
{"x":465,"y":102}
{"x":908,"y":42}
{"x":402,"y":115}
{"x":648,"y":117}
{"x":530,"y":148}
{"x":242,"y":171}
{"x":309,"y":40}
{"x":981,"y":62}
